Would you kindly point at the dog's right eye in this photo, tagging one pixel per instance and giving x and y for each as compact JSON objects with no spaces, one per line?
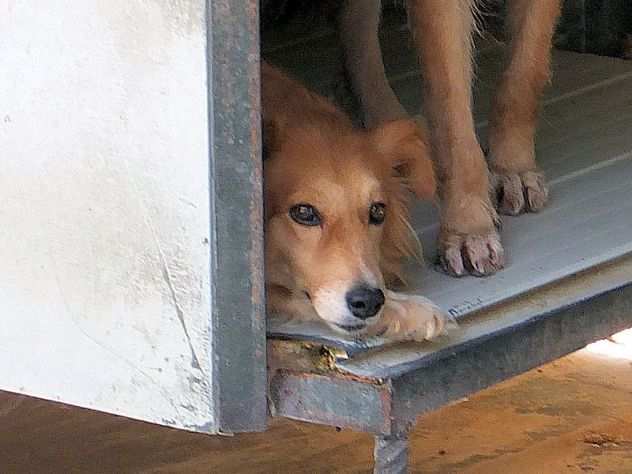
{"x":305,"y":214}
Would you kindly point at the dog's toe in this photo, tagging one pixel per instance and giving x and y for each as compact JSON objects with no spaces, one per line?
{"x":414,"y":318}
{"x":518,"y":193}
{"x":452,"y":261}
{"x":483,"y":254}
{"x":434,"y":323}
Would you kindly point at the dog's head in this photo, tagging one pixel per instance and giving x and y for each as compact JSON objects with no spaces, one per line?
{"x":336,"y":214}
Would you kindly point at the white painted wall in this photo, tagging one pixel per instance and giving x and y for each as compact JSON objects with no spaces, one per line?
{"x":104,"y":206}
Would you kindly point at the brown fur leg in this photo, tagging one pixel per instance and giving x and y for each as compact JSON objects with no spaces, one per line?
{"x":468,"y":240}
{"x":520,"y":185}
{"x":359,"y":22}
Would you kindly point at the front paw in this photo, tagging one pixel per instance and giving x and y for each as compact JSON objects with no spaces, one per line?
{"x":469,"y":241}
{"x":520,"y":192}
{"x":413,"y":318}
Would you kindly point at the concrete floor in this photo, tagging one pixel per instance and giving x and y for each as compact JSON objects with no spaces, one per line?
{"x":574,"y":415}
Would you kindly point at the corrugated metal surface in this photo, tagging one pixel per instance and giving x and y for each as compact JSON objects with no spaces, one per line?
{"x":583,"y":145}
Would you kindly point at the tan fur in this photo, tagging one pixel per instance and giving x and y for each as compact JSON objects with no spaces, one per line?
{"x":358,"y":28}
{"x":442,"y":30}
{"x":317,"y":157}
{"x":514,"y":113}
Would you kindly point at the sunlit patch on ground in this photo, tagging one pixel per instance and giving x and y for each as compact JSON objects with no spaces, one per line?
{"x":618,"y":346}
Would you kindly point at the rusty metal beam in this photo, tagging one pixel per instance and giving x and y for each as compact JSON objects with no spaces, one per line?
{"x":239,"y":359}
{"x":332,"y":400}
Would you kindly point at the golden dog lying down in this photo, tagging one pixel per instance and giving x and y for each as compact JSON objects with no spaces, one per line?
{"x":336,"y":212}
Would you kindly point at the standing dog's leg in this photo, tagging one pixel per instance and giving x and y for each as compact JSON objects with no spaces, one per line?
{"x":468,"y":239}
{"x":520,"y":185}
{"x":359,"y":22}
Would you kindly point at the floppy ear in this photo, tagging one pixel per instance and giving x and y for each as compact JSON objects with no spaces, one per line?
{"x":404,"y":143}
{"x":272,"y":135}
{"x":275,"y":87}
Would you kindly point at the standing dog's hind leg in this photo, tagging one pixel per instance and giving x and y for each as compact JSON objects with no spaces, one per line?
{"x":359,"y":21}
{"x":520,"y":185}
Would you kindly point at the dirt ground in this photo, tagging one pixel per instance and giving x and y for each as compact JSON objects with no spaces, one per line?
{"x":574,"y":415}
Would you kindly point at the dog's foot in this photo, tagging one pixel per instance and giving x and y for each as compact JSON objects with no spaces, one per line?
{"x":520,"y":192}
{"x":479,"y":255}
{"x":469,"y":242}
{"x":412,"y":318}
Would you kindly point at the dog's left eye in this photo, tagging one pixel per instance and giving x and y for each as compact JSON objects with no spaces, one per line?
{"x":377,"y":213}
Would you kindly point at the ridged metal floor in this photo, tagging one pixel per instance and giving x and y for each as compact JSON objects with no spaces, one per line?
{"x":584,"y":145}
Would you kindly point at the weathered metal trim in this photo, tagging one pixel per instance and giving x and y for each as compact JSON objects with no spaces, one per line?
{"x":511,"y":352}
{"x":239,"y":364}
{"x":390,"y":454}
{"x":332,"y":400}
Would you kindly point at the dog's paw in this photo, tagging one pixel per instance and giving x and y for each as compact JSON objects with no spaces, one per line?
{"x":469,"y":242}
{"x":520,"y":192}
{"x":413,"y":318}
{"x":478,"y":255}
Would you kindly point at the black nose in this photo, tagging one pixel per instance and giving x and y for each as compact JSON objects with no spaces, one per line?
{"x":364,"y":301}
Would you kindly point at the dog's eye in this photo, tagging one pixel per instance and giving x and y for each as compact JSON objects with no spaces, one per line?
{"x":305,"y":214}
{"x":377,"y":213}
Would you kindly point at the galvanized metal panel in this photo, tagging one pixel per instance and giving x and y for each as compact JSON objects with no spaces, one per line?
{"x":237,"y":215}
{"x":583,"y":226}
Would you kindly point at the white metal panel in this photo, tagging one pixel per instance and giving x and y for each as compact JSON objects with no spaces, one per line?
{"x":105,"y":291}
